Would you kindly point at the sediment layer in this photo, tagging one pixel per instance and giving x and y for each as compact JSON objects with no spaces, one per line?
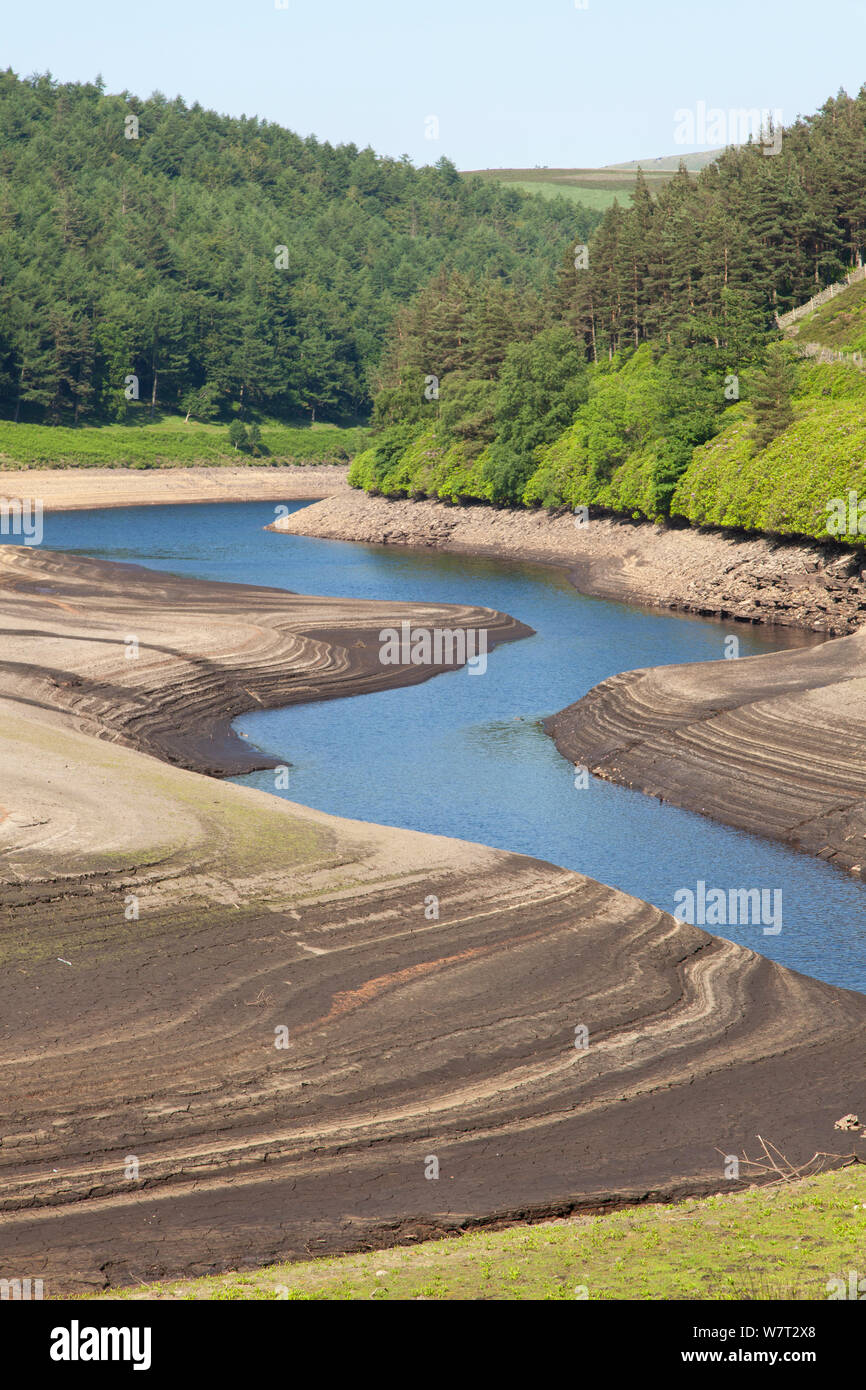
{"x":164,"y":663}
{"x":161,"y":932}
{"x":708,"y":573}
{"x":771,"y":744}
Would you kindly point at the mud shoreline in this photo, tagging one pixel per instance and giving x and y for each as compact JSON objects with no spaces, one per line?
{"x":150,"y":1033}
{"x":711,"y":574}
{"x":232,"y":648}
{"x":775,"y":745}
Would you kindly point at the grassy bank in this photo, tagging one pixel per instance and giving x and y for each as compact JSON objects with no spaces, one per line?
{"x":839,"y":324}
{"x":772,"y":1242}
{"x":170,"y":443}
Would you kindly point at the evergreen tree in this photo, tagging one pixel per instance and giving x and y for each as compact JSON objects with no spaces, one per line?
{"x":540,"y":388}
{"x":771,"y":391}
{"x":231,"y":253}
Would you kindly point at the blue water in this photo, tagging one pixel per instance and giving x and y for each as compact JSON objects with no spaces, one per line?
{"x":464,"y":755}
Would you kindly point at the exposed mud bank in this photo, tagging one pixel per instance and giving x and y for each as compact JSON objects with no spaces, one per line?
{"x":199,"y":653}
{"x":162,"y":932}
{"x":707,"y":573}
{"x":771,"y":744}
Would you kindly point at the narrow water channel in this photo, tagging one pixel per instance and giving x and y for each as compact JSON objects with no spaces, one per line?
{"x":465,"y":755}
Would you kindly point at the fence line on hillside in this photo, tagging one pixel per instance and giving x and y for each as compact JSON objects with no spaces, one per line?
{"x":794,"y":315}
{"x":819,"y":353}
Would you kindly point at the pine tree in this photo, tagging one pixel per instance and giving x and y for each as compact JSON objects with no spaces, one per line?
{"x":771,"y":392}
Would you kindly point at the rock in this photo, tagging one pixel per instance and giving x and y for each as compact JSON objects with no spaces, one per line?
{"x":846,"y":567}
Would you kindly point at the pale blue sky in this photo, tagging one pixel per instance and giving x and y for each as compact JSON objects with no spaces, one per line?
{"x":511,"y":82}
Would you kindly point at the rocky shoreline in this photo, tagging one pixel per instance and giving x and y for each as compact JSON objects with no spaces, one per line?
{"x":712,"y":574}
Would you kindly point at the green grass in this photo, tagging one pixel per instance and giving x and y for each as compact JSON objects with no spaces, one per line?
{"x":170,"y":443}
{"x":840,"y":323}
{"x":598,"y":199}
{"x":770,"y":1242}
{"x":592,"y":188}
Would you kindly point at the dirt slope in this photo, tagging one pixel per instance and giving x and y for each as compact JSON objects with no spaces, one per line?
{"x":161,"y":931}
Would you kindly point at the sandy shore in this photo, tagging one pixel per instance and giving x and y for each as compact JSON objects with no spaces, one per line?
{"x":708,"y":573}
{"x":72,"y":489}
{"x":163,"y":933}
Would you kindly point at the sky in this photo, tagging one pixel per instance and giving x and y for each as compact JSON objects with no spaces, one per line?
{"x":488,"y":83}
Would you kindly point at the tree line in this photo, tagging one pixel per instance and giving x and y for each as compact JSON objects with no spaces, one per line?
{"x":155,"y":251}
{"x":600,"y":386}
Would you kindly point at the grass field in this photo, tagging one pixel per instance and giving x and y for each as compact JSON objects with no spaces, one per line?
{"x":170,"y":443}
{"x":765,"y":1243}
{"x":599,"y":198}
{"x":595,"y":188}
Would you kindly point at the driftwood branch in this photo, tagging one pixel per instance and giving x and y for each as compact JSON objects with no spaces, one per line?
{"x":773,"y":1161}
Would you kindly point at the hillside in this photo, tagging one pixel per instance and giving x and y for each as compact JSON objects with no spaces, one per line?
{"x":839,"y":325}
{"x":657,"y":383}
{"x":157,"y":251}
{"x":789,"y":487}
{"x":794,"y":485}
{"x":784,"y":488}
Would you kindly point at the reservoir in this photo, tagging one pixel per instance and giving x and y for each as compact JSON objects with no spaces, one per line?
{"x":464,"y":755}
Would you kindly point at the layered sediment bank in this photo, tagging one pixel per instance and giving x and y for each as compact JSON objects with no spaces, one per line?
{"x":164,"y":663}
{"x":708,"y":573}
{"x":73,"y":489}
{"x":775,"y":744}
{"x":771,"y":744}
{"x":235,"y":1030}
